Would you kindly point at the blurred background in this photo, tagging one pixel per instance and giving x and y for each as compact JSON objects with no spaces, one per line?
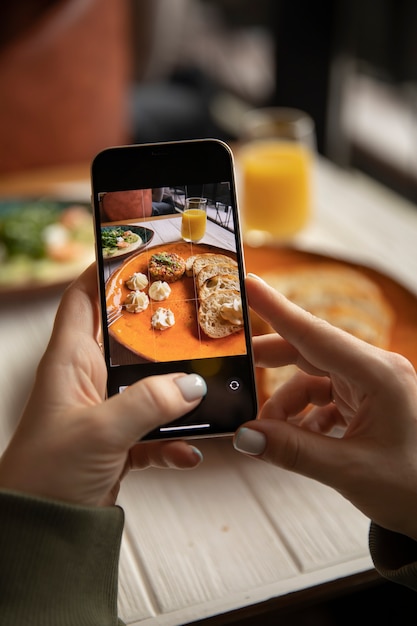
{"x":79,"y":75}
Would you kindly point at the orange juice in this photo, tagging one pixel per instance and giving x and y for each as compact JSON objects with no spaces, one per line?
{"x":275,"y":189}
{"x":193,"y":225}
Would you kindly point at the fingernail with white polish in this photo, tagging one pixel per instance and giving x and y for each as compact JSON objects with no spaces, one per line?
{"x":250,"y":275}
{"x":192,"y":387}
{"x":197,"y":453}
{"x":250,"y":441}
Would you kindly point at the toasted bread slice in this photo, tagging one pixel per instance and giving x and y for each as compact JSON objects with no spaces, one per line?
{"x":342,"y":296}
{"x":217,"y":284}
{"x":213,"y":269}
{"x":189,"y":264}
{"x":211,"y":314}
{"x":204,"y":259}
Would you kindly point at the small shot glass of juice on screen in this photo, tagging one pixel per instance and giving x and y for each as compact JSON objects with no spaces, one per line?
{"x":275,"y":163}
{"x":194,"y":219}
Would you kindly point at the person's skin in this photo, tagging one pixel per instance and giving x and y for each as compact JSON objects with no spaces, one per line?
{"x":71,"y":444}
{"x":343,"y":381}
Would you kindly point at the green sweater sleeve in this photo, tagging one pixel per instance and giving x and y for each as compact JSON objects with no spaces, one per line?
{"x":394,"y":556}
{"x":58,"y":562}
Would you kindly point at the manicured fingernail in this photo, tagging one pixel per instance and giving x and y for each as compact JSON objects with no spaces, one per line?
{"x":192,"y":387}
{"x":250,"y":441}
{"x":256,"y":277}
{"x":197,"y":453}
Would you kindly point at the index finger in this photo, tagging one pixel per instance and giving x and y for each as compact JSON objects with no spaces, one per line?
{"x":317,"y":343}
{"x":271,"y":350}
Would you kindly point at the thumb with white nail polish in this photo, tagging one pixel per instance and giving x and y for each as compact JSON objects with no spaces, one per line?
{"x":192,"y":386}
{"x":250,"y":441}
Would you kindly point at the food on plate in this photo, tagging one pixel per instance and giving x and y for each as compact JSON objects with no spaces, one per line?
{"x":159,"y":290}
{"x":136,"y":302}
{"x":220,"y":314}
{"x":231,"y":311}
{"x":59,"y":244}
{"x":342,"y":296}
{"x":218,"y":291}
{"x":137,"y":282}
{"x":118,"y":240}
{"x":189,"y":265}
{"x":212,"y":270}
{"x":197,"y":262}
{"x":169,"y":330}
{"x":217,"y":284}
{"x":162,"y":319}
{"x":43,"y":241}
{"x":166,"y":266}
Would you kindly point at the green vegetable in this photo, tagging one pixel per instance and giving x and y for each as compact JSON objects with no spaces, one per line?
{"x":165,"y":259}
{"x":110,"y":237}
{"x":21,"y":231}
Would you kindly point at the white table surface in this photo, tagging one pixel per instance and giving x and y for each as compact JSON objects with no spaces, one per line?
{"x":235,"y":531}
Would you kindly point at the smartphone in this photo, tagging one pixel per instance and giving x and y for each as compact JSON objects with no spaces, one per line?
{"x":171,"y":277}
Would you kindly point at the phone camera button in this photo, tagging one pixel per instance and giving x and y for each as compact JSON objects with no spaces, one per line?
{"x":234,"y":384}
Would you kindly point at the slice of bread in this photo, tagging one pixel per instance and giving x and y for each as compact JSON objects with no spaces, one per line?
{"x":217,"y":284}
{"x":342,"y":296}
{"x":189,"y":265}
{"x":212,"y":270}
{"x":204,"y":259}
{"x":211,"y":321}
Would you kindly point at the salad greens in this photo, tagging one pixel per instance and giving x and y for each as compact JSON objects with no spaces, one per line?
{"x":24,"y":226}
{"x":43,"y":240}
{"x":21,"y":231}
{"x":117,"y":238}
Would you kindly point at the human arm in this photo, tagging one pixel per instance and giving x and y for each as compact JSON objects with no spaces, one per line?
{"x":59,"y":562}
{"x":65,"y":462}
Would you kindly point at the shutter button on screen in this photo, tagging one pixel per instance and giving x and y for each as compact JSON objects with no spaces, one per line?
{"x":234,"y":384}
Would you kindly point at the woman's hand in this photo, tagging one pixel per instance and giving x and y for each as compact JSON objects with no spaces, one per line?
{"x":344,"y":382}
{"x":71,"y":445}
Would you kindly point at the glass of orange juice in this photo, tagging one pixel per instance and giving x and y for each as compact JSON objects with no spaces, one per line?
{"x":275,"y":165}
{"x":194,"y":219}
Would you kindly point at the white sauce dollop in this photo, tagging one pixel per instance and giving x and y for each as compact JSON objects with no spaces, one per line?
{"x":232,"y":312}
{"x":159,"y":290}
{"x":136,"y":302}
{"x":162,"y":319}
{"x":137,"y":282}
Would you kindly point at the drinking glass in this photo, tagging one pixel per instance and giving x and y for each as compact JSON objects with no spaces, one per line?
{"x":194,"y":219}
{"x":275,"y":172}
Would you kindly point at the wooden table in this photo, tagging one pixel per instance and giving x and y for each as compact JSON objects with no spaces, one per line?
{"x":235,"y":535}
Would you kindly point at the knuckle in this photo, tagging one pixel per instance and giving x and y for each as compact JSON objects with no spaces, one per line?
{"x":290,"y":453}
{"x":400,"y":369}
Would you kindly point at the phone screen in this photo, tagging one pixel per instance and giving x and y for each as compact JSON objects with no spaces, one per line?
{"x":171,"y":277}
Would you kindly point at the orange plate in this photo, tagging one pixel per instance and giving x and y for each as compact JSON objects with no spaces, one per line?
{"x":184,"y":340}
{"x":403,"y":302}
